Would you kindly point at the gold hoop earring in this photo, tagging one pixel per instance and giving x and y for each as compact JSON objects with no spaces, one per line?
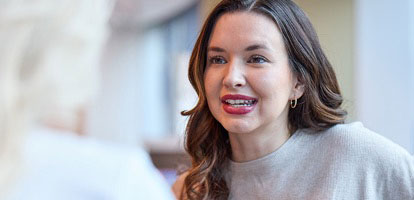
{"x":293,"y":103}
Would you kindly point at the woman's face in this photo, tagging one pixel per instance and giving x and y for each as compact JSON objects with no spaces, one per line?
{"x":248,"y":80}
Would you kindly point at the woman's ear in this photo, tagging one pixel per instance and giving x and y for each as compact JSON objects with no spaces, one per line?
{"x":298,"y":88}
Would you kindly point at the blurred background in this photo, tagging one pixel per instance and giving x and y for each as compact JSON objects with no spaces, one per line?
{"x":144,"y":83}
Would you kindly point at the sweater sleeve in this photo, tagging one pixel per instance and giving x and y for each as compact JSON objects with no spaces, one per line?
{"x":400,"y":178}
{"x":393,"y":166}
{"x":379,"y":168}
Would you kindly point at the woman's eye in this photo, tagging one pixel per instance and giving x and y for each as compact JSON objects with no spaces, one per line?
{"x":257,"y":59}
{"x":217,"y":60}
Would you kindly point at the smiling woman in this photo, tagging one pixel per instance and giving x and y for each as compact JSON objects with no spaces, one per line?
{"x":253,"y":66}
{"x":269,"y":121}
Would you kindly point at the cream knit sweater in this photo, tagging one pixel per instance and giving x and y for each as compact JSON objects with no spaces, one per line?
{"x":346,"y":162}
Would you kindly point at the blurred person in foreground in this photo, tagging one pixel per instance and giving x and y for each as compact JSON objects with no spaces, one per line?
{"x":48,"y":69}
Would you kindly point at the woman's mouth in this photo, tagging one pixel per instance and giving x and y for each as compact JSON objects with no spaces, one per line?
{"x":238,"y":104}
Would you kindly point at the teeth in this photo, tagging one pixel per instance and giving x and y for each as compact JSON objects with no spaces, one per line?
{"x":239,"y":102}
{"x":237,"y":106}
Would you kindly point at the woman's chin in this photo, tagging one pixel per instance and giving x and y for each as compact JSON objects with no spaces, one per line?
{"x":238,"y":128}
{"x":242,"y":125}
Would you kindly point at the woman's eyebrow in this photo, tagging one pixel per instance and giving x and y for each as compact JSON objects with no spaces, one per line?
{"x":216,"y":49}
{"x":255,"y":47}
{"x":249,"y":48}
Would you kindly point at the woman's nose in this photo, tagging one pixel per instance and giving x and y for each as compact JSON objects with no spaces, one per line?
{"x":234,"y":75}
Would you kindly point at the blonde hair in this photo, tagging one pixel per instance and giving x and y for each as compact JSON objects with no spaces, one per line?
{"x":48,"y":57}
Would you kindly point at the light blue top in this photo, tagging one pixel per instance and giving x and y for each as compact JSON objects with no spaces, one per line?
{"x":58,"y":166}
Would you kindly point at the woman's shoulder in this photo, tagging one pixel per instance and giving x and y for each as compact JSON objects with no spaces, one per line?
{"x":356,"y":134}
{"x":364,"y":156}
{"x":354,"y":139}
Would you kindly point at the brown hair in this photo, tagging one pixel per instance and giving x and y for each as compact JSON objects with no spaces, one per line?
{"x":317,"y":109}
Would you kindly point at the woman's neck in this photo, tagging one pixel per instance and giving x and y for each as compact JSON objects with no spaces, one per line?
{"x":251,"y":146}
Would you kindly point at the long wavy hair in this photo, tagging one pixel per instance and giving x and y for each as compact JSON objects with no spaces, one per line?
{"x":318,"y":109}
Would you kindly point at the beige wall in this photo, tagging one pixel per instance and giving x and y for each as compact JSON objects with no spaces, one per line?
{"x":207,"y":6}
{"x":334,"y":23}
